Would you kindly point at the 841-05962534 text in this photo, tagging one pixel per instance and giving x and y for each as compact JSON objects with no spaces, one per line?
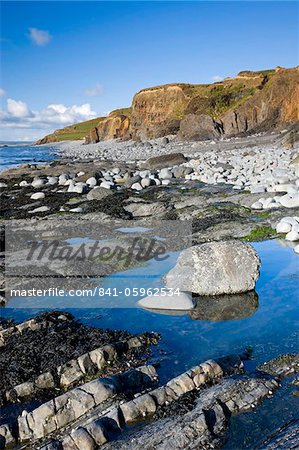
{"x":98,"y":291}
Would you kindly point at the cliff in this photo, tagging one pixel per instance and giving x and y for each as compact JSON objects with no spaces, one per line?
{"x":71,"y":132}
{"x":275,"y":104}
{"x":115,"y":125}
{"x":249,"y":102}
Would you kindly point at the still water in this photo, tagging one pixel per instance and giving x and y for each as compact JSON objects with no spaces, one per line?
{"x":268,"y":326}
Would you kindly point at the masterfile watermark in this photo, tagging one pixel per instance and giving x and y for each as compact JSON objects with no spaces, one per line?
{"x":49,"y":261}
{"x":140,"y":249}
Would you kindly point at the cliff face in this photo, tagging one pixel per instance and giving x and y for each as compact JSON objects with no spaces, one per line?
{"x":162,"y":110}
{"x":275,"y":104}
{"x":116,"y":125}
{"x":157,"y":111}
{"x":250,"y":102}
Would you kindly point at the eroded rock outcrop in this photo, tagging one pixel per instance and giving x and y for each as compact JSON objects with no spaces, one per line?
{"x":116,"y":125}
{"x":275,"y":104}
{"x":159,"y":162}
{"x":205,"y":426}
{"x":157,"y":111}
{"x":199,"y":128}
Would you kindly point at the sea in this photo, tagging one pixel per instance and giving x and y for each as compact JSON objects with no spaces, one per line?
{"x":14,"y":153}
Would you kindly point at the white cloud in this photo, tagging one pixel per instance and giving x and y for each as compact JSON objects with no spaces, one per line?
{"x":17,"y":109}
{"x":217,"y":78}
{"x":95,"y":91}
{"x":2,"y":92}
{"x":18,"y":115}
{"x":39,"y":37}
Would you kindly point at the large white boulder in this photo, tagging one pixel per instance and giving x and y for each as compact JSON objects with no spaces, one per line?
{"x":107,"y":184}
{"x":52,"y":180}
{"x":24,"y":183}
{"x":257,"y":205}
{"x":92,"y":182}
{"x":136,"y":187}
{"x":78,"y":188}
{"x":63,"y":179}
{"x":291,"y":220}
{"x":165,"y":174}
{"x":146,"y":182}
{"x":215,"y":268}
{"x":38,"y":182}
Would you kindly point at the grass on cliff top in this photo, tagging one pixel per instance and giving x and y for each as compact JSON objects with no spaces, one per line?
{"x":251,"y":73}
{"x":80,"y":130}
{"x":219,"y":98}
{"x":121,"y":111}
{"x":74,"y":132}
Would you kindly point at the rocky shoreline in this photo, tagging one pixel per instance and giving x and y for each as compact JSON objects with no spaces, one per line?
{"x":99,"y":388}
{"x":192,"y":410}
{"x":247,"y":185}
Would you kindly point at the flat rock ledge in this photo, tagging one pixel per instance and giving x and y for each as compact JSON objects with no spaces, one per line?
{"x":282,"y":366}
{"x":103,"y":428}
{"x":63,"y":410}
{"x":205,"y":426}
{"x":190,"y":411}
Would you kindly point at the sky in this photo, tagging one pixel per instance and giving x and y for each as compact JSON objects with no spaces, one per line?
{"x":64,"y":62}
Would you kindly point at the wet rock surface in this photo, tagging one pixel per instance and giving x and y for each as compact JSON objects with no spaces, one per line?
{"x":206,"y":424}
{"x":104,"y":428}
{"x":192,"y":410}
{"x":214,"y":185}
{"x":284,"y":438}
{"x":38,"y":353}
{"x":282,"y":366}
{"x":225,"y":307}
{"x":85,"y":185}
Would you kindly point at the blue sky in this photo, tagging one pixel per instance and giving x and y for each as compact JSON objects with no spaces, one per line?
{"x":98,"y":54}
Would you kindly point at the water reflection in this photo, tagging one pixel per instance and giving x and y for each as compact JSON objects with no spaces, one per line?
{"x":225,"y":307}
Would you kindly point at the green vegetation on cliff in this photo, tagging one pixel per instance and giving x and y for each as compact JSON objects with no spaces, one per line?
{"x":72,"y":132}
{"x":121,"y":111}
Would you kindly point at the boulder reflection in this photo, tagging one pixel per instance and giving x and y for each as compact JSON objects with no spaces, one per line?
{"x":225,"y":307}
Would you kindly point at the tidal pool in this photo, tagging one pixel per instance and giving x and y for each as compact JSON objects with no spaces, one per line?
{"x":268,"y":324}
